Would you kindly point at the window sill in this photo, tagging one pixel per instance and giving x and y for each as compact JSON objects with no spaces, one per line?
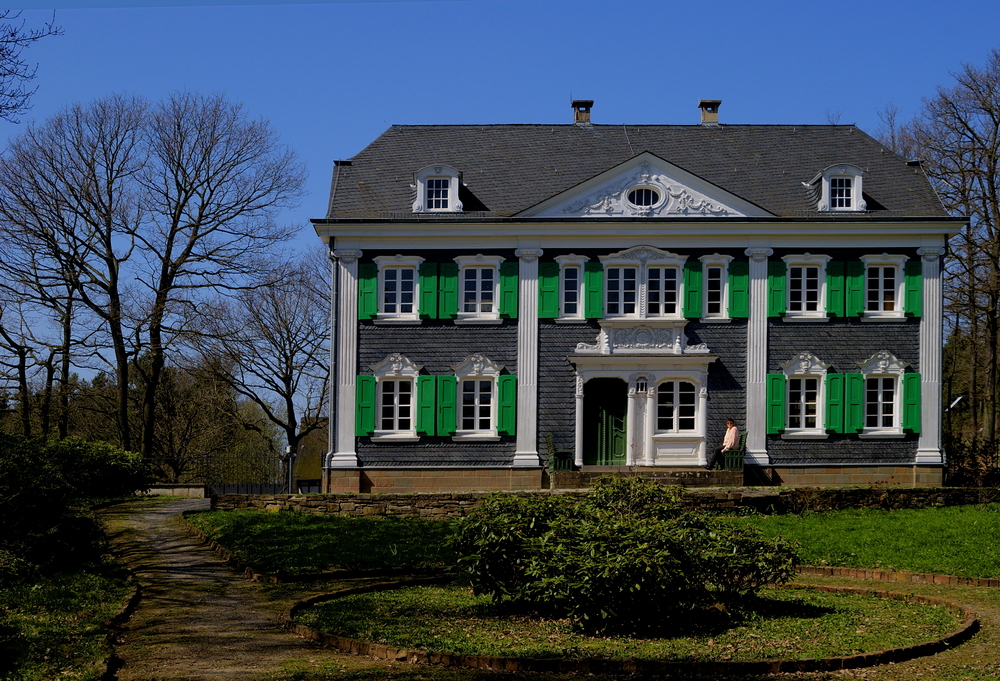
{"x":472,"y":321}
{"x":804,"y":435}
{"x":715,"y":320}
{"x":570,"y":320}
{"x":889,"y":434}
{"x":395,"y":437}
{"x":880,"y":317}
{"x":686,"y":435}
{"x":805,"y":318}
{"x":475,"y":437}
{"x":396,"y":321}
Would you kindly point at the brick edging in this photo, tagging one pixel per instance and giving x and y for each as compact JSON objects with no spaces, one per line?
{"x":226,"y":556}
{"x":896,"y":576}
{"x":964,"y":632}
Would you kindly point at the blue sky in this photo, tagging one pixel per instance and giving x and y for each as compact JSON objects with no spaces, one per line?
{"x":332,"y":76}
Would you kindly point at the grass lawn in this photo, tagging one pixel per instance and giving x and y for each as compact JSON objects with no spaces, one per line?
{"x":956,"y":540}
{"x":289,"y":543}
{"x":786,"y":623}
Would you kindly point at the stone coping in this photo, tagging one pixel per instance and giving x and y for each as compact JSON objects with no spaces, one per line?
{"x":227,"y":557}
{"x":964,"y":632}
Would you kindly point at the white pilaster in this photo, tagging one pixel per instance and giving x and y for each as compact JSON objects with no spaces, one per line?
{"x":578,"y":427}
{"x":931,"y":321}
{"x":345,"y":456}
{"x":757,"y":357}
{"x":526,"y":453}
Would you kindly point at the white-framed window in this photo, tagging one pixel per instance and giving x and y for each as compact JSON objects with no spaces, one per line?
{"x":715,"y":287}
{"x":571,"y":286}
{"x":643,"y":274}
{"x":883,"y":396}
{"x":839,"y":187}
{"x":676,"y":407}
{"x":396,"y":399}
{"x":398,"y":289}
{"x":884,"y":286}
{"x":437,"y":189}
{"x":805,"y":396}
{"x":805,"y":281}
{"x":476,"y":383}
{"x":478,"y":289}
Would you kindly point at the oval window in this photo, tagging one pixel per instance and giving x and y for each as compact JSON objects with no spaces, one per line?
{"x":643,"y":196}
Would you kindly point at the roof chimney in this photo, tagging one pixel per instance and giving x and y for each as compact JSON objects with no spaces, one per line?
{"x":709,"y":111}
{"x":581,"y":110}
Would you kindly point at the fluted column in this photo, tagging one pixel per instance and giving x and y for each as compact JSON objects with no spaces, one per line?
{"x":929,"y":445}
{"x":757,"y":358}
{"x":345,"y":456}
{"x":527,"y":358}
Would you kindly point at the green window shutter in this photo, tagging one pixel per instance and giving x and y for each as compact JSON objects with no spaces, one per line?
{"x":593,"y":284}
{"x":692,"y":289}
{"x":448,"y":290}
{"x":364,"y":419}
{"x":548,"y":290}
{"x":447,"y":398}
{"x":835,"y":290}
{"x":854,"y":288}
{"x":776,"y":288}
{"x":911,"y":402}
{"x":775,"y":420}
{"x":428,"y":282}
{"x":367,"y":290}
{"x":913,"y":288}
{"x":854,"y":403}
{"x":739,"y":289}
{"x":835,"y":403}
{"x":426,"y":413}
{"x":508,"y":290}
{"x":506,"y":404}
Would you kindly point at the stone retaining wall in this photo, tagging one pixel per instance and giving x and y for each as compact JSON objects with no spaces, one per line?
{"x":796,"y":500}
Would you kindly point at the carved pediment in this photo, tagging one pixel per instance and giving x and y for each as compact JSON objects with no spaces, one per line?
{"x":642,"y":338}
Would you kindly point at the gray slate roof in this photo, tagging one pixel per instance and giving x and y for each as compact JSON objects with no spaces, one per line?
{"x":509,"y":168}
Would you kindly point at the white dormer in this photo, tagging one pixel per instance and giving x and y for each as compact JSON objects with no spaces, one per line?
{"x":437,"y":189}
{"x":839,"y":188}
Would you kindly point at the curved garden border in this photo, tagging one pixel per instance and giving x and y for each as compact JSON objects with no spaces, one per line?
{"x":964,"y":632}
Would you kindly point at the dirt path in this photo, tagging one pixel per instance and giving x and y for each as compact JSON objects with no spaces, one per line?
{"x":196,"y":620}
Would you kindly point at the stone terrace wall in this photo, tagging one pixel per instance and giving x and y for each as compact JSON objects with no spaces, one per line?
{"x":796,"y":500}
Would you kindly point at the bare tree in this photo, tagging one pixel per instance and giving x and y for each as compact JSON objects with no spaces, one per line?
{"x":16,"y":74}
{"x":143,"y":208}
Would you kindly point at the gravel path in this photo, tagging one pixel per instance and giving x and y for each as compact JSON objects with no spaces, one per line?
{"x":196,"y":620}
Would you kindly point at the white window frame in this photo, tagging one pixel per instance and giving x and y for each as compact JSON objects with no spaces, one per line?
{"x":884,"y":365}
{"x":476,"y":368}
{"x":806,"y":365}
{"x":841,"y":171}
{"x":395,"y":368}
{"x":566,"y":262}
{"x":890,"y":261}
{"x":479,"y":261}
{"x":675,"y":429}
{"x":806,"y":260}
{"x":643,"y":258}
{"x":437,"y":171}
{"x":722,"y":262}
{"x":387,"y":262}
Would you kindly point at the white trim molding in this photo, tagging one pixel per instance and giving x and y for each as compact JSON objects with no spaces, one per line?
{"x":929,"y":449}
{"x":756,"y":445}
{"x":345,"y":455}
{"x":526,"y":452}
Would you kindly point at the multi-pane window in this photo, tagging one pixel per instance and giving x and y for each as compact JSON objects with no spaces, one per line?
{"x":675,"y":406}
{"x":882,"y":289}
{"x":803,"y":288}
{"x":880,"y":402}
{"x":398,"y":290}
{"x":395,"y":405}
{"x":476,"y":404}
{"x":840,"y":193}
{"x":622,"y":290}
{"x":661,"y":291}
{"x":803,"y":399}
{"x":571,"y":291}
{"x":643,"y":196}
{"x":478,"y":290}
{"x":437,"y":193}
{"x":714,"y":288}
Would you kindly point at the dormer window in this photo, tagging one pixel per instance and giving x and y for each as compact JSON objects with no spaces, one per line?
{"x":838,"y":188}
{"x":437,"y":190}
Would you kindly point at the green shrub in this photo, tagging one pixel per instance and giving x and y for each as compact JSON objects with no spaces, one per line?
{"x":99,"y":469}
{"x":629,"y":557}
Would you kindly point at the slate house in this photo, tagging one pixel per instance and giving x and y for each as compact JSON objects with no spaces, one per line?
{"x":619,"y":291}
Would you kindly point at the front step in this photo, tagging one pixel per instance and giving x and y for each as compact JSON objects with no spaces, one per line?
{"x":680,"y":476}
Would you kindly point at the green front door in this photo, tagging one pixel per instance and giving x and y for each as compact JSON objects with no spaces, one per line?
{"x":605,"y":403}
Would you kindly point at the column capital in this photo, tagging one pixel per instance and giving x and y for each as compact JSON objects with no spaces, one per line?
{"x":930,"y":254}
{"x":759,"y":253}
{"x":347,"y":255}
{"x":528,"y":254}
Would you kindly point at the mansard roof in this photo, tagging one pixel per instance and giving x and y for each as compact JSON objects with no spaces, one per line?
{"x":507,"y":169}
